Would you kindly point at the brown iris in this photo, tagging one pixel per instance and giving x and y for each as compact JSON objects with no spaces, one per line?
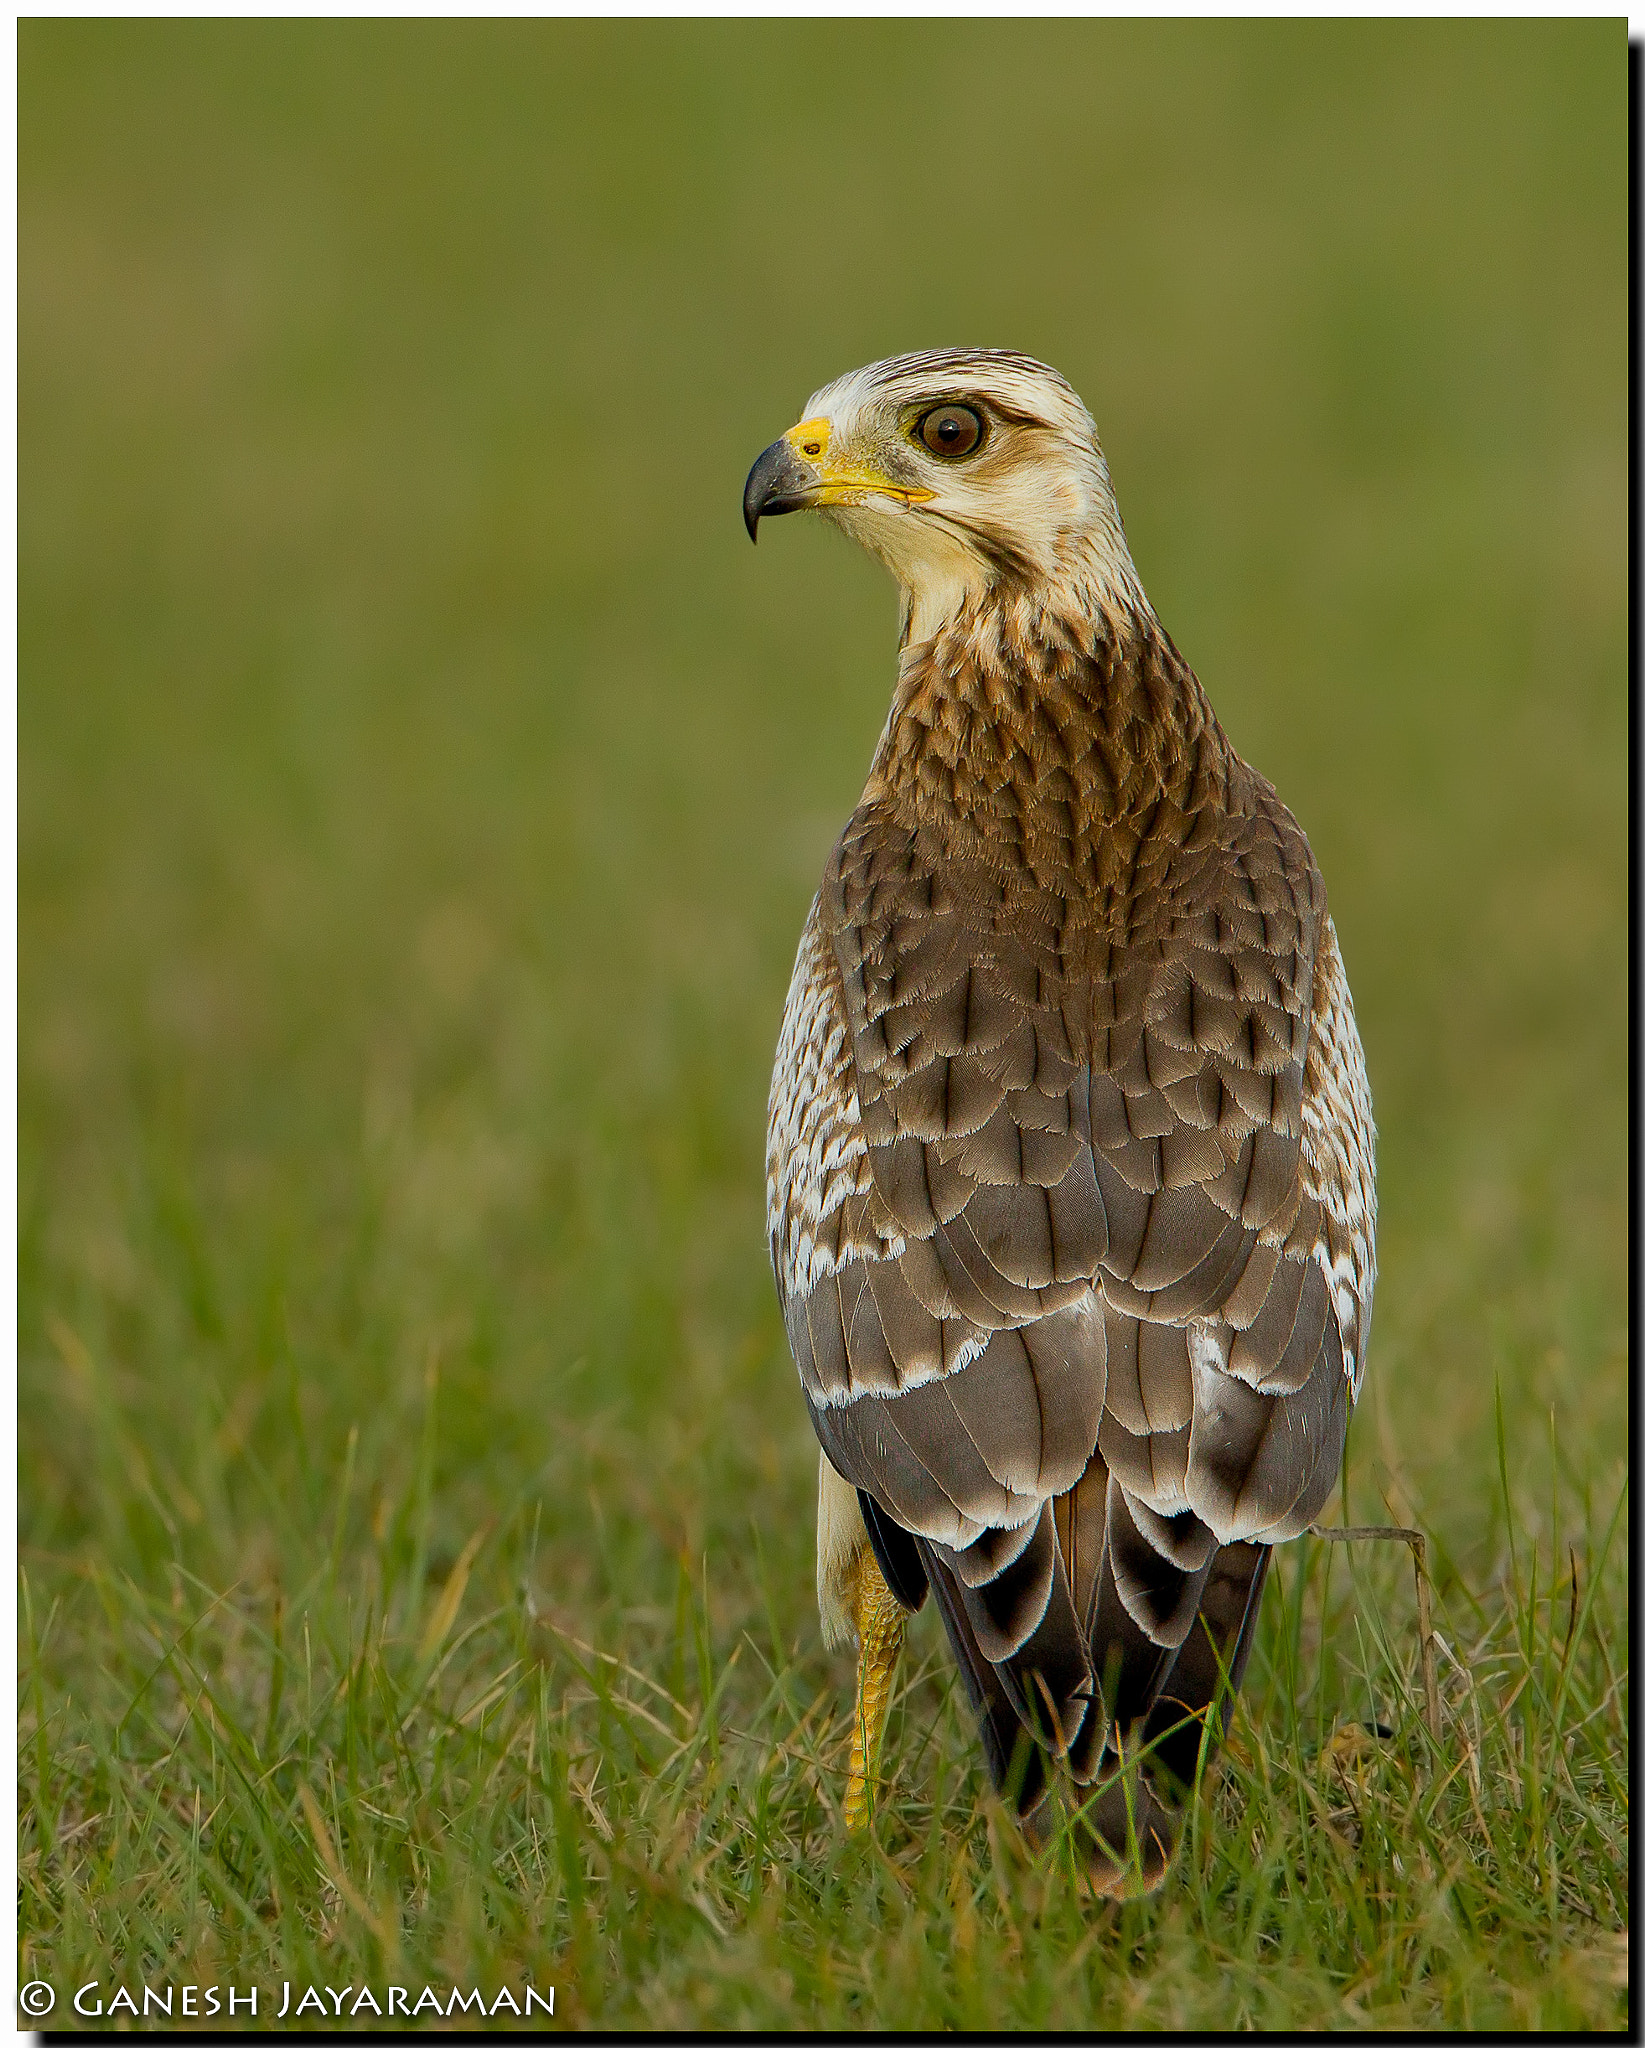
{"x":951,"y":430}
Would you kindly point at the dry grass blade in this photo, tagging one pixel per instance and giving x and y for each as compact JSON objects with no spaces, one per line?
{"x":326,"y":1848}
{"x":451,"y":1598}
{"x":1425,"y":1622}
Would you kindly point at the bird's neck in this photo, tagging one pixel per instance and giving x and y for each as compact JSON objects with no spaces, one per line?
{"x":1040,"y":724}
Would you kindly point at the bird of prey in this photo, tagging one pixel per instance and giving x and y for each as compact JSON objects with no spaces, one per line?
{"x":1070,"y":1166}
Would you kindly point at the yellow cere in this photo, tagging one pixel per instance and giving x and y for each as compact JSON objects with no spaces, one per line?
{"x":810,"y":439}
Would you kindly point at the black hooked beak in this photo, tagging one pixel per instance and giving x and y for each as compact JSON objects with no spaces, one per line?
{"x":779,"y":482}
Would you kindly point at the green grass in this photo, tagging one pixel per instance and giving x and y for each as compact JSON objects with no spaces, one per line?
{"x":422,"y":785}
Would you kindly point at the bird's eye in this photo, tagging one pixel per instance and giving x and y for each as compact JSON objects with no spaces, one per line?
{"x":951,"y":430}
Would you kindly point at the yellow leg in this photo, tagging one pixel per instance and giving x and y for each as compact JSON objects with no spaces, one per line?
{"x":880,"y":1620}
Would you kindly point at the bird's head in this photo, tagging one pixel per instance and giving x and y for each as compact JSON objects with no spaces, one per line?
{"x":965,"y":471}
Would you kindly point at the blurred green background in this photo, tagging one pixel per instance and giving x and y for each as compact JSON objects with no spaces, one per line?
{"x":423,"y":782}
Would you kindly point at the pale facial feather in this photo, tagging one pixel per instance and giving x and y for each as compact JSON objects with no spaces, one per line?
{"x":1032,"y":506}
